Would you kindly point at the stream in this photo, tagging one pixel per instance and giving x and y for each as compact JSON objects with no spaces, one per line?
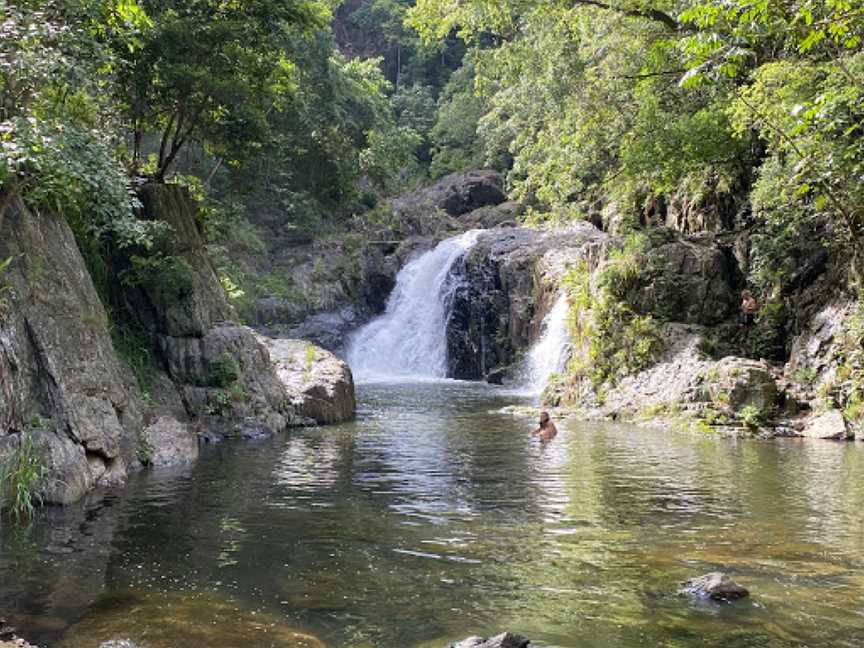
{"x":436,"y":516}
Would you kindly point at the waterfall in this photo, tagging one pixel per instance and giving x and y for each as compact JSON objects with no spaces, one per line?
{"x":549,"y":354}
{"x":409,"y":339}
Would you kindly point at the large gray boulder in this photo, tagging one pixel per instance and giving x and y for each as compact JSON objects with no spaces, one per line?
{"x":827,"y":425}
{"x":457,"y":193}
{"x":740,"y":382}
{"x":320,"y":385}
{"x":167,"y":442}
{"x":60,"y":379}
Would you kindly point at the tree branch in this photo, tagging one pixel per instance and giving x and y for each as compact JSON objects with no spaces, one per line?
{"x":651,"y":14}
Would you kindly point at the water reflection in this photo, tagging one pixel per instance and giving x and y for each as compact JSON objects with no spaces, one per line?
{"x":435,"y":516}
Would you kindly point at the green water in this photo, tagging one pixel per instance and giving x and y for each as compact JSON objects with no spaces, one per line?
{"x":435,"y":516}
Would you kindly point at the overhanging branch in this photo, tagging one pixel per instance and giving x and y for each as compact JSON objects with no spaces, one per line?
{"x":651,"y":14}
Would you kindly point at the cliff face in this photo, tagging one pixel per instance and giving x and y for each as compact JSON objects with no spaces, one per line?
{"x":59,"y":376}
{"x":221,"y":372}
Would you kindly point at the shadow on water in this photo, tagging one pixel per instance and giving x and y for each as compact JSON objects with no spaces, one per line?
{"x":436,"y":516}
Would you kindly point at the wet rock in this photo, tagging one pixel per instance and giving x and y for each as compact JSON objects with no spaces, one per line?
{"x":328,"y":330}
{"x":505,"y":640}
{"x":827,"y":425}
{"x":172,"y":620}
{"x":320,"y":385}
{"x":716,"y":586}
{"x":496,"y":311}
{"x":167,"y":442}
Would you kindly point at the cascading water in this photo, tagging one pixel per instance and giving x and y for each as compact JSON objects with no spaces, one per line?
{"x":549,"y":353}
{"x":409,"y":339}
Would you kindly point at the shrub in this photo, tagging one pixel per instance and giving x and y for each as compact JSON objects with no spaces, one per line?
{"x":224,"y":371}
{"x":22,"y":474}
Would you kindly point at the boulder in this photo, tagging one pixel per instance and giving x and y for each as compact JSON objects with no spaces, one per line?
{"x":715,"y":586}
{"x":320,"y":385}
{"x":827,"y":425}
{"x":738,"y":382}
{"x":167,"y":442}
{"x":457,"y":193}
{"x":505,"y":640}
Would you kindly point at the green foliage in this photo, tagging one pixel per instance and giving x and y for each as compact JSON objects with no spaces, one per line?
{"x":310,"y":356}
{"x":168,"y":276}
{"x":22,"y":474}
{"x":767,"y":339}
{"x":751,"y":417}
{"x":223,"y":371}
{"x":133,"y":347}
{"x":144,"y":451}
{"x":456,"y":144}
{"x":612,"y":341}
{"x":209,"y":72}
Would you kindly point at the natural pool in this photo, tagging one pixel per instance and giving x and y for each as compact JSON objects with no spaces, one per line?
{"x":436,"y":516}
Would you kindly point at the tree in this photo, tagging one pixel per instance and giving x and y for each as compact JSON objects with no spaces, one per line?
{"x":209,"y":72}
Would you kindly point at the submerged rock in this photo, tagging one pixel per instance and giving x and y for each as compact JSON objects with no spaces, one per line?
{"x":716,"y":586}
{"x":505,"y":640}
{"x":320,"y":385}
{"x":137,"y":619}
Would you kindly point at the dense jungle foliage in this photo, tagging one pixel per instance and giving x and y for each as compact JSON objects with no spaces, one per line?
{"x":312,"y":110}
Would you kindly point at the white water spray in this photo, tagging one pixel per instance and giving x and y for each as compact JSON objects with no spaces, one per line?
{"x":409,"y":339}
{"x":549,"y":353}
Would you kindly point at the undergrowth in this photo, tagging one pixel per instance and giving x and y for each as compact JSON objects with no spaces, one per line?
{"x":22,"y":474}
{"x":611,"y":339}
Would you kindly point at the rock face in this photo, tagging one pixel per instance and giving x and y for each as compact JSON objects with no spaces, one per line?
{"x":498,"y":305}
{"x":320,"y":385}
{"x":716,"y":586}
{"x":59,"y":377}
{"x":505,"y":640}
{"x":459,"y":193}
{"x":221,"y":370}
{"x":828,"y":425}
{"x":685,"y":280}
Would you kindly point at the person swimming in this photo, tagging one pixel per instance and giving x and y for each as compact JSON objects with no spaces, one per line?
{"x":546,"y":429}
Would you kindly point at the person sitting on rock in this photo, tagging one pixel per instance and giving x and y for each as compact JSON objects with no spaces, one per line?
{"x":546,"y":429}
{"x":749,"y":308}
